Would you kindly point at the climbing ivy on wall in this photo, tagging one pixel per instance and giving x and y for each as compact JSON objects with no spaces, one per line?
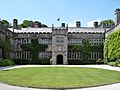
{"x":85,"y":48}
{"x":6,"y":47}
{"x":35,"y":48}
{"x":79,"y":48}
{"x":75,"y":48}
{"x":97,"y":48}
{"x":112,"y":47}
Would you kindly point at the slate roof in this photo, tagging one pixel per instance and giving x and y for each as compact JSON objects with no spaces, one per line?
{"x":49,"y":29}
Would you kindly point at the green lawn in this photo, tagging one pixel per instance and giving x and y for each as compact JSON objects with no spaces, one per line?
{"x":119,"y":65}
{"x":59,"y":77}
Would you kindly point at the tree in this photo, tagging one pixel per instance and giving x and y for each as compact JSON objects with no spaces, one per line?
{"x":29,"y":23}
{"x":38,"y":23}
{"x":25,"y":23}
{"x":21,"y":26}
{"x":5,"y":23}
{"x":43,"y":25}
{"x":107,"y":23}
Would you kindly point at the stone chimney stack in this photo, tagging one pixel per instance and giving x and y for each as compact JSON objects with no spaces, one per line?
{"x":15,"y":23}
{"x":63,"y":24}
{"x":78,"y":24}
{"x":117,"y":16}
{"x":96,"y":24}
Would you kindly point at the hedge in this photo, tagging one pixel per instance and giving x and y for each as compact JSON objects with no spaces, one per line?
{"x":112,"y":47}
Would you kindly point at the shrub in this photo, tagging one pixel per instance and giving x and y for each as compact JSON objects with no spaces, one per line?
{"x":22,"y":61}
{"x":30,"y":61}
{"x":112,"y":47}
{"x":6,"y":62}
{"x":111,"y":63}
{"x":13,"y":63}
{"x":99,"y":61}
{"x":45,"y":61}
{"x":105,"y":61}
{"x":2,"y":63}
{"x":117,"y":62}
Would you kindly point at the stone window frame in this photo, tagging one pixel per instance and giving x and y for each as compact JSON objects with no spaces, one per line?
{"x":59,"y":39}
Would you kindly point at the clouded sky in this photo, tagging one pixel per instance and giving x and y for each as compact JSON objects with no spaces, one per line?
{"x":47,"y":11}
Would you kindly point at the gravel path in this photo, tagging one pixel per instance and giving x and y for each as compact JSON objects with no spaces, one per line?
{"x":106,"y":87}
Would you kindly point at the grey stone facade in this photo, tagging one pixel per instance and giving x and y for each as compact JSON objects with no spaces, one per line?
{"x":58,"y":39}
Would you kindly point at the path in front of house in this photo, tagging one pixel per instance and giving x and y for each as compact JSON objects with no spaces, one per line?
{"x":106,"y":87}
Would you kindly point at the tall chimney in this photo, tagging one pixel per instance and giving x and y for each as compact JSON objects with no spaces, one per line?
{"x":15,"y":23}
{"x":96,"y":24}
{"x":117,"y":17}
{"x":63,"y":24}
{"x":78,"y":24}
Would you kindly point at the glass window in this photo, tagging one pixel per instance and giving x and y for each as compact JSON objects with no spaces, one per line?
{"x":57,"y":39}
{"x":61,"y":39}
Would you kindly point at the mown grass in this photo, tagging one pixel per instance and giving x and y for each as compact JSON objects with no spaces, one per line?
{"x":59,"y":77}
{"x":119,"y":65}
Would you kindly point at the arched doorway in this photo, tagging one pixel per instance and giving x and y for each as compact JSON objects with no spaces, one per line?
{"x":59,"y":59}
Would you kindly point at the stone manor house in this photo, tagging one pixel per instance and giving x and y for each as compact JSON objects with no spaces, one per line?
{"x":57,"y":39}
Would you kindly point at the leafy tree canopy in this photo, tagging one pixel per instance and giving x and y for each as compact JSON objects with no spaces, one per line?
{"x":24,"y":24}
{"x":5,"y":23}
{"x":29,"y":23}
{"x":107,"y":23}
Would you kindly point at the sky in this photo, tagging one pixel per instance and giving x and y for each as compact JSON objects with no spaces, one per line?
{"x":69,"y":11}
